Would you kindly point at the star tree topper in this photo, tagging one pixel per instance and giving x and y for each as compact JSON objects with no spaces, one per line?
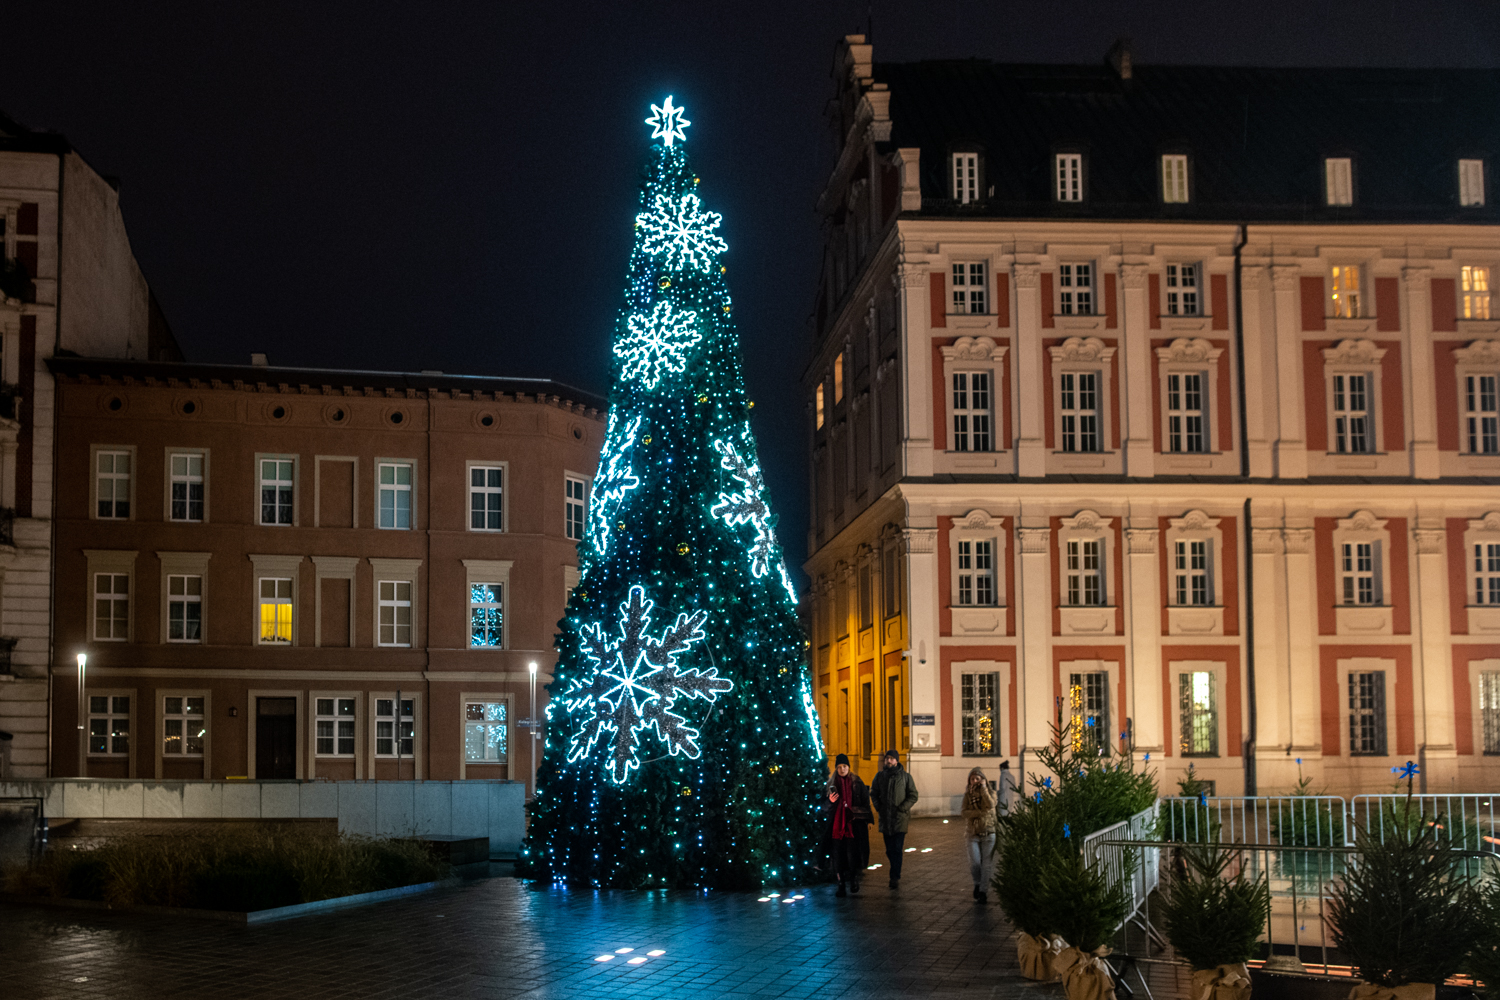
{"x":667,"y":123}
{"x":636,"y":685}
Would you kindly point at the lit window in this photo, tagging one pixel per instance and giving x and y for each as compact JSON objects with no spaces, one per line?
{"x":184,"y":608}
{"x":114,"y":484}
{"x":109,"y":725}
{"x":1199,"y":719}
{"x":1339,"y":180}
{"x":971,"y":411}
{"x":486,"y":616}
{"x":111,"y":607}
{"x":1345,"y":294}
{"x":183,"y":727}
{"x":1085,"y":573}
{"x":187,"y":487}
{"x":1185,"y":412}
{"x":275,"y":491}
{"x":1190,"y":573}
{"x":866,"y":595}
{"x":1367,"y":712}
{"x":976,"y":572}
{"x":575,"y":505}
{"x":275,"y":610}
{"x":1475,"y":283}
{"x":1487,"y":573}
{"x":980,"y":694}
{"x":1174,"y":182}
{"x":965,"y":177}
{"x":335,"y":727}
{"x":486,"y":499}
{"x":1182,"y":289}
{"x":395,"y":496}
{"x":1076,"y":284}
{"x":818,"y":404}
{"x":385,"y":727}
{"x":486,"y":733}
{"x":1489,"y":709}
{"x":1069,"y":177}
{"x":1357,"y":571}
{"x":838,"y":378}
{"x":395,"y":613}
{"x":1079,"y":408}
{"x":968,"y":288}
{"x":1481,"y":417}
{"x":1351,"y":415}
{"x":891,"y":581}
{"x":1088,"y":695}
{"x":1470,"y":182}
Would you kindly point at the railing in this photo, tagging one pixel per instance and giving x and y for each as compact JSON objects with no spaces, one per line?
{"x":1292,"y":820}
{"x":1142,"y":871}
{"x":1470,"y":820}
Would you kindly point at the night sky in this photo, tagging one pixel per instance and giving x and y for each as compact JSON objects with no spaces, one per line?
{"x":451,"y":186}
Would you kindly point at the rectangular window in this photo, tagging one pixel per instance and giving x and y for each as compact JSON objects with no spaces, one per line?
{"x":1351,"y":414}
{"x":1367,"y":712}
{"x":1487,"y":574}
{"x":182,"y":726}
{"x":1474,"y":283}
{"x":1069,"y":177}
{"x":838,"y":378}
{"x":1200,"y":719}
{"x":1079,"y":399}
{"x":1339,"y":180}
{"x":818,"y":404}
{"x":1357,"y":570}
{"x":395,"y":613}
{"x":1085,"y":576}
{"x":486,"y":616}
{"x":109,"y":725}
{"x":1182,"y":289}
{"x":114,"y":484}
{"x":187,"y":487}
{"x":1076,"y":284}
{"x":575,"y":506}
{"x":1471,"y":182}
{"x":867,"y":720}
{"x":1174,"y":182}
{"x":891,"y":579}
{"x":1089,"y":699}
{"x":965,"y":177}
{"x":1345,"y":294}
{"x":395,"y":496}
{"x":111,"y":607}
{"x":275,"y":611}
{"x":184,"y":609}
{"x":486,"y":732}
{"x":980,"y":700}
{"x":276,"y":491}
{"x":1481,"y":414}
{"x":335,"y":722}
{"x":1190,"y":572}
{"x":486,"y":499}
{"x":385,"y":727}
{"x":1489,"y":710}
{"x":976,"y":572}
{"x":1185,"y":413}
{"x":866,"y":596}
{"x":968,"y":288}
{"x":971,"y":411}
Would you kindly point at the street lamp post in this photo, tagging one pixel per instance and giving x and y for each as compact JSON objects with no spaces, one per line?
{"x":531,"y":724}
{"x":83,"y":660}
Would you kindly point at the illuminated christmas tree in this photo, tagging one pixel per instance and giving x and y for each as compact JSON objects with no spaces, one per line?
{"x":682,"y":745}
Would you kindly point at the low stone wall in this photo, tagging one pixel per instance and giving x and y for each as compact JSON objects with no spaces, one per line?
{"x":493,"y":809}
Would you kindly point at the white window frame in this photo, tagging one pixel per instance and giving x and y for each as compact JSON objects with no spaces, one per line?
{"x":1189,"y":356}
{"x":1075,"y":356}
{"x":973,"y":529}
{"x":389,"y":718}
{"x":970,"y":714}
{"x":1484,"y":572}
{"x":1348,"y":669}
{"x":965,"y":176}
{"x":1195,"y":527}
{"x":1338,"y":181}
{"x":1077,"y":288}
{"x":1068,"y":179}
{"x":1479,"y":414}
{"x":279,"y":485}
{"x":392,"y":597}
{"x":115,"y":478}
{"x":1476,"y":290}
{"x":1081,"y":530}
{"x":1482,"y":533}
{"x":107,"y":590}
{"x":1363,"y":528}
{"x":183,"y":718}
{"x":1186,"y":412}
{"x":112,"y":563}
{"x":1080,"y":673}
{"x":1346,"y":291}
{"x":1486,"y":703}
{"x":1357,"y":358}
{"x":186,"y":599}
{"x":188,"y":480}
{"x":969,"y":291}
{"x":1174,"y":178}
{"x":969,"y":356}
{"x":335,"y":718}
{"x":111,"y":711}
{"x":575,"y":522}
{"x":1217,"y":671}
{"x":507,"y":725}
{"x":275,"y":598}
{"x":486,"y":491}
{"x":1184,"y":288}
{"x":1471,"y":183}
{"x":395,"y":490}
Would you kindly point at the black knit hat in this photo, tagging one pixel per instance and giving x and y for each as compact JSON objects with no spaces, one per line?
{"x":842,"y":758}
{"x":892,"y":753}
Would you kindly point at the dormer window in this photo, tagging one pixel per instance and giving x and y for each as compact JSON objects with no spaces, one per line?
{"x":965,"y":177}
{"x":1338,"y":174}
{"x":1069,"y":172}
{"x":1471,"y":183}
{"x":1174,"y":181}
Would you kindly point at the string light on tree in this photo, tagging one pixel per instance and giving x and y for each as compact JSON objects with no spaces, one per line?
{"x":658,"y":343}
{"x":680,"y":229}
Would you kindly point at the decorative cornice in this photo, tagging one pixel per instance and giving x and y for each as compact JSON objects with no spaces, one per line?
{"x":1429,"y":542}
{"x":1479,"y":352}
{"x":1134,"y":275}
{"x":1194,"y":520}
{"x":1353,"y":352}
{"x":912,"y":275}
{"x":1082,"y":349}
{"x":1284,"y":277}
{"x":1265,"y":541}
{"x":1034,"y":541}
{"x":1489,"y":522}
{"x":1087,"y":520}
{"x":1416,"y":278}
{"x":973,"y":349}
{"x":1027,"y":275}
{"x":1253,"y":277}
{"x":1189,"y":349}
{"x":1140,"y":541}
{"x":1361,"y":520}
{"x":920,"y":541}
{"x":977,"y":518}
{"x":1298,"y":541}
{"x":883,"y":371}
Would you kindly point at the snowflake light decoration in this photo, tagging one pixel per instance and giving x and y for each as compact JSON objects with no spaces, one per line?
{"x":658,"y":343}
{"x":679,"y":228}
{"x":747,"y":506}
{"x":667,"y":123}
{"x":616,"y":477}
{"x":636,"y":685}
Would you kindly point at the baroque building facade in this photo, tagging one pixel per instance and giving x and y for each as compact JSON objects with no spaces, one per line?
{"x":1161,"y":400}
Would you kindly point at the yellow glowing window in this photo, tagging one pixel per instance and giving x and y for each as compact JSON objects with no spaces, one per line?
{"x":1476,"y":292}
{"x":819,"y":397}
{"x":275,"y":610}
{"x":1346,"y":292}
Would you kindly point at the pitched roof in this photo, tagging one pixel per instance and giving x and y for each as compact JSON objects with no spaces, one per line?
{"x":1255,"y":138}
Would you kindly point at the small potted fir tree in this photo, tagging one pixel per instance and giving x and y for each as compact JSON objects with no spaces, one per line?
{"x":1214,"y":920}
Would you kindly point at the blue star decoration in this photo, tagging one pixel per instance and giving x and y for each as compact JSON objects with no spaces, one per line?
{"x":635,"y":686}
{"x":1047,"y":782}
{"x":1067,"y":831}
{"x":667,"y":123}
{"x":1407,"y":770}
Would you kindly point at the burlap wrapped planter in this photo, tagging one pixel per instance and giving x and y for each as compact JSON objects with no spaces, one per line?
{"x":1411,"y":991}
{"x":1036,"y":954}
{"x":1085,"y":975}
{"x":1227,"y":982}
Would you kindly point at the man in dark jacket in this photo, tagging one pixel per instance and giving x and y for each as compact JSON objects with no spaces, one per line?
{"x":893,"y":794}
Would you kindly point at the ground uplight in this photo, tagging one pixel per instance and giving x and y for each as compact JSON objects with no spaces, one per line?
{"x":637,"y":961}
{"x":657,"y":953}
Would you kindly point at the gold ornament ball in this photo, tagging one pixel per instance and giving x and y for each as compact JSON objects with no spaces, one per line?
{"x":683,"y":548}
{"x":646,"y":439}
{"x":666,"y":283}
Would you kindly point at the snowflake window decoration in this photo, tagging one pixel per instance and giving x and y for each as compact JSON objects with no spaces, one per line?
{"x":635,"y":686}
{"x":747,"y":506}
{"x":658,"y":343}
{"x":679,"y":228}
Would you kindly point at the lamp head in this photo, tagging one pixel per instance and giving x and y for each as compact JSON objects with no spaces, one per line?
{"x":82,"y":659}
{"x":532,"y":667}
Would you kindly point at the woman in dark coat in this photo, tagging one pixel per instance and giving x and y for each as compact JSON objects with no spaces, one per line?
{"x":848,"y":829}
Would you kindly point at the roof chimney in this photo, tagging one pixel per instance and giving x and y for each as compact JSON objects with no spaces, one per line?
{"x":259,"y":360}
{"x":1119,"y":58}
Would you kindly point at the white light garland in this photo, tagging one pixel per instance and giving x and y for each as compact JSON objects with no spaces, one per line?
{"x":679,"y":228}
{"x":616,"y":477}
{"x":658,"y":343}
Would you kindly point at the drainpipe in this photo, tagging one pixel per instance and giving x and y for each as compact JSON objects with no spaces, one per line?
{"x":57,"y":296}
{"x":1246,"y":602}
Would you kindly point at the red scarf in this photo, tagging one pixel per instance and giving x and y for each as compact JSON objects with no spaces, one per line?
{"x":843,"y":827}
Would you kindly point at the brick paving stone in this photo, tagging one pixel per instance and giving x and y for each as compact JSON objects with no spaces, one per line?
{"x":499,"y":939}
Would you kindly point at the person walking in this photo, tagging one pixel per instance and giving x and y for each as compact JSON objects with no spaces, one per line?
{"x":979,"y":812}
{"x":848,"y":825}
{"x":894,"y":793}
{"x":1008,"y":790}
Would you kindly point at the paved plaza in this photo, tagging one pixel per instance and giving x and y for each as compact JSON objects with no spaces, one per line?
{"x":498,"y":938}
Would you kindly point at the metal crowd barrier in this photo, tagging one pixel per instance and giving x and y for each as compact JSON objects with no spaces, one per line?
{"x":1142,"y":870}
